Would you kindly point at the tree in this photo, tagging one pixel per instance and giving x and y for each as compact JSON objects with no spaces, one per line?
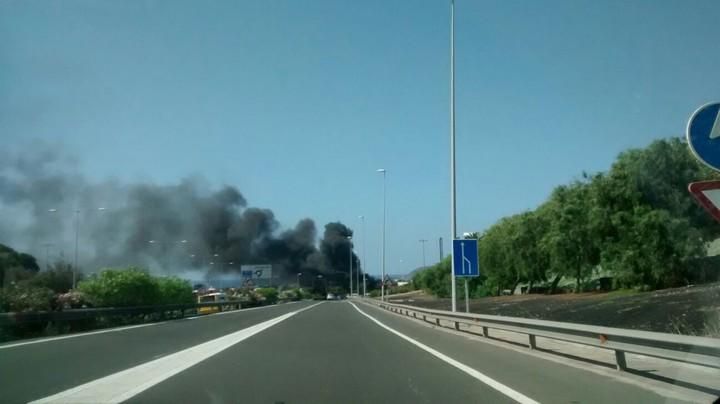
{"x":570,"y":242}
{"x":651,"y":230}
{"x":636,"y":221}
{"x":16,"y":266}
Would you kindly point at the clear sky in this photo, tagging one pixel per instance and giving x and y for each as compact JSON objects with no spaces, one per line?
{"x":297,"y":103}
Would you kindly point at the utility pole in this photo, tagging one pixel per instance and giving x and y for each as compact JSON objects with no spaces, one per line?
{"x":423,"y":241}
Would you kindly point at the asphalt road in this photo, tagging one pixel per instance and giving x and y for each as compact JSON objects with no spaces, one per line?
{"x":294,"y":353}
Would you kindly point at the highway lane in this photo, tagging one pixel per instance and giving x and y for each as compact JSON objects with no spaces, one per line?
{"x":543,"y":380}
{"x":328,"y":353}
{"x":37,"y":370}
{"x":333,"y":354}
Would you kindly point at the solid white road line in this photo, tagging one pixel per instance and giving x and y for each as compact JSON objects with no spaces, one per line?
{"x":123,"y":385}
{"x":517,"y":396}
{"x":237,"y":311}
{"x":38,"y":341}
{"x":130,"y":327}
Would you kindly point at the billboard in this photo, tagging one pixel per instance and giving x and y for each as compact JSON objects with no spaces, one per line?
{"x":256,"y":272}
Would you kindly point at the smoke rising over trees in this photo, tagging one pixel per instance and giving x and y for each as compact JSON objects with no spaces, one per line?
{"x":169,"y":228}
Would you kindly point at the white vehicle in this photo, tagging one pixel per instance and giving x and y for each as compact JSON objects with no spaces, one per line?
{"x":330,"y":296}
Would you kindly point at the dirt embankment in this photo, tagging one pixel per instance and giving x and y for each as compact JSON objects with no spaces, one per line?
{"x":688,"y":310}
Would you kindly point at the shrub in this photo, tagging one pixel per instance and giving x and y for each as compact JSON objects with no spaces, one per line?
{"x":72,"y":300}
{"x":268,"y":295}
{"x":121,"y":287}
{"x":174,"y":290}
{"x":58,"y":280}
{"x":26,"y":298}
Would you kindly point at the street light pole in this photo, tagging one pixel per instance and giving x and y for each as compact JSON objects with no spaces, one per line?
{"x":453,"y":226}
{"x":382,"y":284}
{"x":349,"y":238}
{"x":47,"y":255}
{"x":77,"y":237}
{"x":423,"y":241}
{"x":77,"y":232}
{"x":364,"y":262}
{"x":298,"y":279}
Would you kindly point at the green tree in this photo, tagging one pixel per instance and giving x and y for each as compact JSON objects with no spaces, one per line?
{"x":16,"y":266}
{"x":174,"y":290}
{"x":570,"y":243}
{"x":651,"y":230}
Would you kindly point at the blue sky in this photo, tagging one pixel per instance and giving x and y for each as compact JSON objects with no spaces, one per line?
{"x":297,"y":103}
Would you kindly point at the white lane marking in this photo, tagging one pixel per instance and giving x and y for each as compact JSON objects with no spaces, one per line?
{"x":238,"y":311}
{"x":125,"y":384}
{"x":129,"y":327}
{"x":37,"y":341}
{"x":515,"y":395}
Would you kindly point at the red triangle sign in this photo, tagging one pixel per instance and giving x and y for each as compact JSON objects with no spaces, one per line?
{"x":708,"y":194}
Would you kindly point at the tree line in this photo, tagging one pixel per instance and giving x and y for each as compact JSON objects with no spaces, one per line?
{"x":636,"y":224}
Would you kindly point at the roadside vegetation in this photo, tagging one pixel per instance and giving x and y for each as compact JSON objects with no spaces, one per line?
{"x":633,"y":227}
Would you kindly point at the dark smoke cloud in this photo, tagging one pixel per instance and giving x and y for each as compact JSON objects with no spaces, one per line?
{"x":190,"y":223}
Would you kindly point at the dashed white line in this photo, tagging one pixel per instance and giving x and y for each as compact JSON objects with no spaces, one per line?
{"x":507,"y":391}
{"x":123,"y":385}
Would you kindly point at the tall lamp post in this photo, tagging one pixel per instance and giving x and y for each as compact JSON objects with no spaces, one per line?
{"x":382,"y":284}
{"x":298,"y":279}
{"x":77,"y":237}
{"x":364,"y":262}
{"x":423,"y":241}
{"x":350,"y":252}
{"x":47,"y":255}
{"x":453,"y":225}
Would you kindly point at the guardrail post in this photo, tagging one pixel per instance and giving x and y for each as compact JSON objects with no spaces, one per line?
{"x":414,"y":315}
{"x":620,"y":362}
{"x":457,"y":325}
{"x":486,"y":333}
{"x":437,"y":321}
{"x":531,"y":341}
{"x":424,"y":318}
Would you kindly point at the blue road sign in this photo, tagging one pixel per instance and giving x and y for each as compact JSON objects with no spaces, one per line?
{"x":703,"y":134}
{"x":465,"y":257}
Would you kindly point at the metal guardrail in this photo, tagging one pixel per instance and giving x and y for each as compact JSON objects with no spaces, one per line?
{"x":689,"y":349}
{"x":178,"y":310}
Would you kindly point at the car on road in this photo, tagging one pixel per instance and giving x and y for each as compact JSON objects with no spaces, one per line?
{"x":330,"y":296}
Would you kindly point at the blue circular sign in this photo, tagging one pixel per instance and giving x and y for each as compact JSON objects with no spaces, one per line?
{"x":703,"y":134}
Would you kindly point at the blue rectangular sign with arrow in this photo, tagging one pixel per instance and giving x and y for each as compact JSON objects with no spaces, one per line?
{"x":465,"y":258}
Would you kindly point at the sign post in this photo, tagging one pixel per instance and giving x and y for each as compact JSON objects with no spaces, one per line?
{"x":465,"y":263}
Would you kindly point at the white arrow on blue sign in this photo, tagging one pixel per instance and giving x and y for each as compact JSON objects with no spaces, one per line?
{"x":465,"y":257}
{"x":703,"y":134}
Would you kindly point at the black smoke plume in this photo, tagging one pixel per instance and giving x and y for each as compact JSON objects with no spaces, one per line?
{"x":174,"y":229}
